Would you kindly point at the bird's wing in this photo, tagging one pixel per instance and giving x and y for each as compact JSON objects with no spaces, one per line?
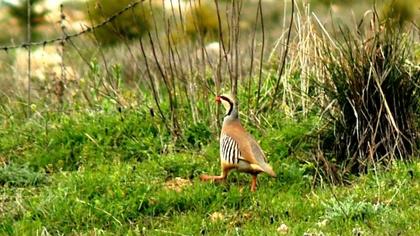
{"x":256,"y":150}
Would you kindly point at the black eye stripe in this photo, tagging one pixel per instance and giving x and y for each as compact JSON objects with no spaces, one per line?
{"x":230,"y":103}
{"x":226,"y":99}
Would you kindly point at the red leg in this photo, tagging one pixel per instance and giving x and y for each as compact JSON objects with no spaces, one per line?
{"x":217,"y":178}
{"x":254,"y":183}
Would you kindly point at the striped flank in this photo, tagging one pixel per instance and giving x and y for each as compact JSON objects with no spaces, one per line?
{"x":229,"y":150}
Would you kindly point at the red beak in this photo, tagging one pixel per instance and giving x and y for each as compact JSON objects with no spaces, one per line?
{"x":218,"y":99}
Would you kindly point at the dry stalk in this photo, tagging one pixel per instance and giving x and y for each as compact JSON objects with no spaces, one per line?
{"x":283,"y":61}
{"x":28,"y":36}
{"x":260,"y":71}
{"x":60,"y":83}
{"x":152,"y":85}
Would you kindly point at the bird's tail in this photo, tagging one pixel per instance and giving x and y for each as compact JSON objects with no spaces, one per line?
{"x":268,"y":169}
{"x":265,"y":168}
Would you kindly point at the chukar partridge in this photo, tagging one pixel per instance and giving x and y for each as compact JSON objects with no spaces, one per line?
{"x":238,"y":149}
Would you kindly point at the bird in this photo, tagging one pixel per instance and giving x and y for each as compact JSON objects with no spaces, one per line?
{"x":238,"y":149}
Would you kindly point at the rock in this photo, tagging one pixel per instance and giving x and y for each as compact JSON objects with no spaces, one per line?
{"x":283,"y":229}
{"x":217,"y":216}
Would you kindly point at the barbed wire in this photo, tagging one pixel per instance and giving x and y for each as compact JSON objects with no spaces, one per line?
{"x":74,"y":35}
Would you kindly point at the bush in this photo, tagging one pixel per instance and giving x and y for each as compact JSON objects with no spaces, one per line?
{"x":20,"y":176}
{"x":131,"y":24}
{"x":398,"y":12}
{"x":198,"y":134}
{"x":201,"y":20}
{"x":376,"y":93}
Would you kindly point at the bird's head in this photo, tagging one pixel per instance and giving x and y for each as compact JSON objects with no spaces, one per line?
{"x":228,"y":103}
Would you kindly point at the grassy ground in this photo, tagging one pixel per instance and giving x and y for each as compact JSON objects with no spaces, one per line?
{"x":115,"y":173}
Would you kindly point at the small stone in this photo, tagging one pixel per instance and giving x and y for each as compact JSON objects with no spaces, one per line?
{"x":216,"y":216}
{"x":283,"y":229}
{"x":357,"y":231}
{"x":322,"y":223}
{"x":177,"y":184}
{"x":247,"y":216}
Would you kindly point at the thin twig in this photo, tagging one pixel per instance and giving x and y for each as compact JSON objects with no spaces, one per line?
{"x":99,"y":209}
{"x":283,"y":63}
{"x":261,"y":55}
{"x":28,"y":35}
{"x":61,"y":83}
{"x":251,"y":67}
{"x":152,"y":85}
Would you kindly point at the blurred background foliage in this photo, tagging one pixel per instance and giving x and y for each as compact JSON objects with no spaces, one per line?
{"x":399,"y":12}
{"x":19,"y":12}
{"x":200,"y":19}
{"x":130,"y":25}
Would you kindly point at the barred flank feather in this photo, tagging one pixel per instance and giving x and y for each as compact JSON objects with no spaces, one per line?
{"x":229,"y":151}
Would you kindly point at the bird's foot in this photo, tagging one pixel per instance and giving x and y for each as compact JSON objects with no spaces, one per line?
{"x":211,"y":178}
{"x":204,"y":177}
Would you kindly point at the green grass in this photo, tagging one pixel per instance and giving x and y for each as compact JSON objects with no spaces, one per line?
{"x":112,"y":173}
